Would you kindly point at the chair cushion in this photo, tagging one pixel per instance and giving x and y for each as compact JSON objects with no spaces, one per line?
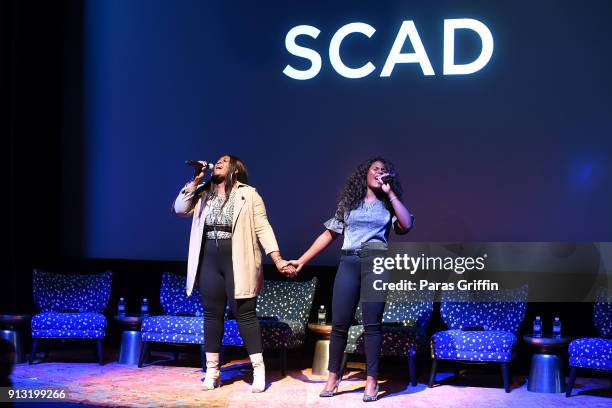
{"x":591,"y":353}
{"x":488,"y":345}
{"x":68,"y":325}
{"x":174,"y":338}
{"x":275,"y":334}
{"x":173,"y":329}
{"x":397,"y":340}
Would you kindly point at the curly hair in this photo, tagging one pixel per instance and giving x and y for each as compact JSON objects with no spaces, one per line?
{"x":355,"y":188}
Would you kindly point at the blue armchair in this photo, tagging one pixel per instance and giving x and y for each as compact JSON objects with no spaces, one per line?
{"x":71,"y":308}
{"x":500,"y":313}
{"x":594,"y":353}
{"x":183,"y":322}
{"x":283,"y":308}
{"x":405,"y":320}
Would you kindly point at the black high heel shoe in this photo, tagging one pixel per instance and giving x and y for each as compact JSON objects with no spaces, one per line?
{"x":326,"y":394}
{"x":370,"y":398}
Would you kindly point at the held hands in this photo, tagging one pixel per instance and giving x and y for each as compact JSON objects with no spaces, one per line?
{"x":297,"y":266}
{"x":285,"y":268}
{"x":288,"y":268}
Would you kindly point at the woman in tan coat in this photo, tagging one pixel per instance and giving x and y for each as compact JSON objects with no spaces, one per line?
{"x":229,"y":223}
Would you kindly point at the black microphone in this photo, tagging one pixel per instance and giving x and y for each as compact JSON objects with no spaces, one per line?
{"x":198,"y":166}
{"x":388,"y":179}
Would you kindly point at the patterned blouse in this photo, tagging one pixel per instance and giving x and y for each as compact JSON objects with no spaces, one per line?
{"x":218,"y":222}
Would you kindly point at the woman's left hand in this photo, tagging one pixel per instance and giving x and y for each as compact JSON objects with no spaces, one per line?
{"x":386,"y":187}
{"x":285,"y":268}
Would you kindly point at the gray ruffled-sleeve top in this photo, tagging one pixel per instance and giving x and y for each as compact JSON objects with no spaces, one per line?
{"x":370,"y":222}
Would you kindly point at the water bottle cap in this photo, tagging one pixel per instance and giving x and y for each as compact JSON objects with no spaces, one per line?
{"x":144,"y":299}
{"x":121,"y":299}
{"x":537,"y":317}
{"x":322,"y":307}
{"x":556,"y":319}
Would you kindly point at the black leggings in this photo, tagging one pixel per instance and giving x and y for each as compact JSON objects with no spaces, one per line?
{"x":216,"y":287}
{"x":347,"y":291}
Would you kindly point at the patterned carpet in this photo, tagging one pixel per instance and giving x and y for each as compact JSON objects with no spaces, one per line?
{"x":172,"y":384}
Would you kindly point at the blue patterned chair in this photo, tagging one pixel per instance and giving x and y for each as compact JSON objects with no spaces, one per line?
{"x":183,"y":322}
{"x":283,"y":308}
{"x":405,"y":320}
{"x":71,"y":307}
{"x":500,"y":313}
{"x":594,"y":353}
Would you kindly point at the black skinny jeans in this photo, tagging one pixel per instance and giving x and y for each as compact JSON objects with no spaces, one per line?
{"x":216,"y":287}
{"x":347,"y":291}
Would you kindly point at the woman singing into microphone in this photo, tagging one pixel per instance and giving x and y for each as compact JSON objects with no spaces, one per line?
{"x":229,"y":223}
{"x":369,"y":206}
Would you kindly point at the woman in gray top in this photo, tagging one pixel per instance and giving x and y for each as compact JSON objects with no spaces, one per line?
{"x":370,"y":205}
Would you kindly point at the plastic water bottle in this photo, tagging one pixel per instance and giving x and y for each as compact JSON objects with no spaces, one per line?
{"x":556,"y":328}
{"x":537,"y":327}
{"x":121,"y":307}
{"x":322,"y":315}
{"x":144,"y":307}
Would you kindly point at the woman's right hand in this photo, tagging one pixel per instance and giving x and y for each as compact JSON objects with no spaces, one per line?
{"x":198,"y":176}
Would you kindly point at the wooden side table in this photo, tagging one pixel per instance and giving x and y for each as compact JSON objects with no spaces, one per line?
{"x":321,"y":353}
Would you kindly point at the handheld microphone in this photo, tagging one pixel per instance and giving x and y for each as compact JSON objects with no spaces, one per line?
{"x":388,"y":179}
{"x":198,"y":166}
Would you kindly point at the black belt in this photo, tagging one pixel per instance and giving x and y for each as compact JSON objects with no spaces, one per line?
{"x":366,"y":249}
{"x":352,"y":252}
{"x":218,"y":228}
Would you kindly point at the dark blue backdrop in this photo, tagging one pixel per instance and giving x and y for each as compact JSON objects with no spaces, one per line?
{"x":518,"y":151}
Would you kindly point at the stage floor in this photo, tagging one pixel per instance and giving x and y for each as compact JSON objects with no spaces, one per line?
{"x":170,"y":384}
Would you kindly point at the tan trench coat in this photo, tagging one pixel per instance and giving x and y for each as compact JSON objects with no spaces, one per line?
{"x":249,"y":228}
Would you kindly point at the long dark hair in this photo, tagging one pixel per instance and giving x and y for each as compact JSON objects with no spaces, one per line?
{"x":356,"y":186}
{"x":237,"y":172}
